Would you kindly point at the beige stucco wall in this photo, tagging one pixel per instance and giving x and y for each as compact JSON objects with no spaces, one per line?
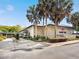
{"x":67,"y":30}
{"x":31,"y":31}
{"x":40,"y":31}
{"x":50,"y":31}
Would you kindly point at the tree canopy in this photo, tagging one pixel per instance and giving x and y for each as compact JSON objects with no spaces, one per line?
{"x":74,"y":20}
{"x":16,"y":28}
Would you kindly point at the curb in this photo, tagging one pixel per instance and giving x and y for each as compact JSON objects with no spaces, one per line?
{"x":64,"y":43}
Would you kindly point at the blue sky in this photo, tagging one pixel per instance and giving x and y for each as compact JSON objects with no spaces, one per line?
{"x":12,"y":12}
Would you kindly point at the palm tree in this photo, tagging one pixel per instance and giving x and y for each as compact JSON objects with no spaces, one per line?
{"x":59,"y":10}
{"x":74,"y":20}
{"x":56,"y":10}
{"x":33,"y":17}
{"x":43,"y":10}
{"x":41,"y":14}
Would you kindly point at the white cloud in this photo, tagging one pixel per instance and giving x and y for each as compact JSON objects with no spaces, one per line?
{"x":10,"y":8}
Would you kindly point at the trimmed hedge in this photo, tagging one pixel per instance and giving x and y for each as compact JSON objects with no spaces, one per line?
{"x":55,"y":40}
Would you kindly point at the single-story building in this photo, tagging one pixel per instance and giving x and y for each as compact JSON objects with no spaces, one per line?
{"x":60,"y":31}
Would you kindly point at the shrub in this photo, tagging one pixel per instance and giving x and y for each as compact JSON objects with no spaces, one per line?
{"x":55,"y":40}
{"x":2,"y":37}
{"x":43,"y":38}
{"x":37,"y":38}
{"x":40,"y":38}
{"x":77,"y":36}
{"x":29,"y":38}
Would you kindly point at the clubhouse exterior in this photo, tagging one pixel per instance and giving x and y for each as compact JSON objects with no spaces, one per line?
{"x":61,"y":31}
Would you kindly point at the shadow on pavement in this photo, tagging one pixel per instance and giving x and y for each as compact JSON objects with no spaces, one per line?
{"x":21,"y":49}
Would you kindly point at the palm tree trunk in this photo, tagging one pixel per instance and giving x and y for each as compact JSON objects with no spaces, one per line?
{"x":35,"y":30}
{"x":43,"y":27}
{"x":76,"y":28}
{"x":43,"y":21}
{"x":55,"y":32}
{"x":46,"y":28}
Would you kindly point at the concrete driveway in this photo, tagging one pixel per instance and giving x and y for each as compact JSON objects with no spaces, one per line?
{"x":62,"y":52}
